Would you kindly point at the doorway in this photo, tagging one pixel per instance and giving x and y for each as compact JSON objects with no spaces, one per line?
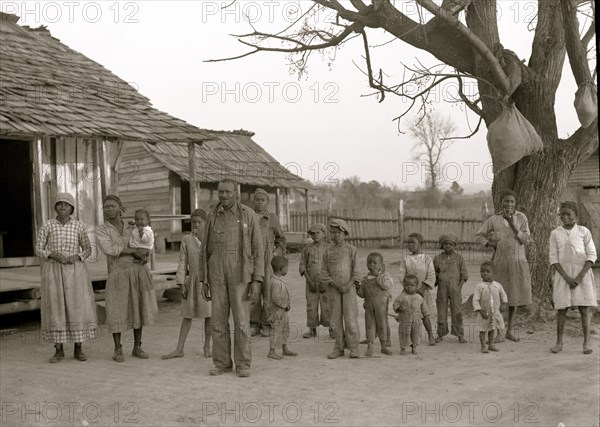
{"x":16,"y":182}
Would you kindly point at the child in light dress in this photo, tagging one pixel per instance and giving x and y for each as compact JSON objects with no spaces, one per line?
{"x":572,"y":253}
{"x":489,"y":301}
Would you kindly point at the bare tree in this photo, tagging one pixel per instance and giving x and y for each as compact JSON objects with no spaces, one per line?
{"x":470,"y":48}
{"x":432,"y":134}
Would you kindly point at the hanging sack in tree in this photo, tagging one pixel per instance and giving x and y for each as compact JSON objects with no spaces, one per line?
{"x":586,"y":103}
{"x":510,"y":138}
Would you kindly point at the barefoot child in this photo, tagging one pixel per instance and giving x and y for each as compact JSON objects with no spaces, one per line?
{"x":142,"y":236}
{"x":489,"y":301}
{"x":451,"y":275}
{"x":411,"y":309}
{"x":316,"y":292}
{"x":572,"y":253}
{"x":421,"y":265}
{"x":278,"y":309}
{"x":193,"y":305}
{"x":339,"y":273}
{"x":374,"y":288}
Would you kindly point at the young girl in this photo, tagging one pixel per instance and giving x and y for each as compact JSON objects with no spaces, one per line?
{"x":411,"y":308}
{"x":142,"y":236}
{"x":68,"y":308}
{"x":421,"y":265}
{"x":451,"y":275}
{"x":375,"y":288}
{"x":193,"y":305}
{"x":489,"y":301}
{"x":572,"y":253}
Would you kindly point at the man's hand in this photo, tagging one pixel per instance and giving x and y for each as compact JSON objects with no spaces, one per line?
{"x":57,"y":256}
{"x":484,"y":314}
{"x":254,"y":292}
{"x":73,"y":258}
{"x":206,"y":292}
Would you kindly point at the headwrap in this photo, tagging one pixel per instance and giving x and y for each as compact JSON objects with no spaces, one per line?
{"x":341,"y":224}
{"x":65,"y":197}
{"x":317,"y":226}
{"x":114,"y":199}
{"x":260,"y":191}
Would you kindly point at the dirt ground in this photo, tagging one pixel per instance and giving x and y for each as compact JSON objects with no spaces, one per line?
{"x":448,"y":384}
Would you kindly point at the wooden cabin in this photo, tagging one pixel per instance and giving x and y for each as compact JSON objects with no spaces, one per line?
{"x":583,"y":188}
{"x":65,"y":124}
{"x":157,"y":177}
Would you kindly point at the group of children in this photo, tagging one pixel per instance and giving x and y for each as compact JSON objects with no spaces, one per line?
{"x":333,"y":284}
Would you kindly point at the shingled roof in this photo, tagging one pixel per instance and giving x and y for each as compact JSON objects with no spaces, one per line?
{"x":47,"y":88}
{"x":228,"y":154}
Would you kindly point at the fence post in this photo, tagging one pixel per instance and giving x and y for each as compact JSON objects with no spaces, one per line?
{"x":401,"y":221}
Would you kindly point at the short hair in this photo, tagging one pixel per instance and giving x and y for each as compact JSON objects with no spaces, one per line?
{"x":230,"y":181}
{"x":417,"y":236}
{"x":570,"y":205}
{"x":506,"y":192}
{"x":410,"y":277}
{"x":279,"y":262}
{"x":375,"y":255}
{"x":489,"y":264}
{"x":199,"y":213}
{"x":144,"y":211}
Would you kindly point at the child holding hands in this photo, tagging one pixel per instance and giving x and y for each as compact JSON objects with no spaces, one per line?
{"x":278,"y":308}
{"x":421,"y":265}
{"x":572,"y":253}
{"x":411,"y":309}
{"x":374,"y":288}
{"x":489,"y":301}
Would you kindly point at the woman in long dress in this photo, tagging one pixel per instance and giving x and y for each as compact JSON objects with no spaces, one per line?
{"x":67,"y":306}
{"x":508,"y":233}
{"x":130,"y":296}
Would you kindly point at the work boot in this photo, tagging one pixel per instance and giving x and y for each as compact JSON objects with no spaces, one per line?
{"x":312,"y":332}
{"x":59,"y":354}
{"x":118,"y":354}
{"x":287,"y":352}
{"x":273,"y":355}
{"x":354,"y":354}
{"x":218,"y":371}
{"x":78,"y":353}
{"x":138,"y":352}
{"x":335,"y":354}
{"x":243,"y":372}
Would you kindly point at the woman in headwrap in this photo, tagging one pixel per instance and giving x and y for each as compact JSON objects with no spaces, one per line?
{"x":68,"y":309}
{"x":507,"y":233}
{"x":130,"y":296}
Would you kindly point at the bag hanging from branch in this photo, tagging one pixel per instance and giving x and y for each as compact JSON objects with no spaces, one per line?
{"x":510,"y":138}
{"x":586,"y":103}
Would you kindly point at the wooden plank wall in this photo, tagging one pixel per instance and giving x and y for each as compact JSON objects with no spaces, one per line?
{"x":380,"y":227}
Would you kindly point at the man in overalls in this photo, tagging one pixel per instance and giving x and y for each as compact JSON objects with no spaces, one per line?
{"x":234,"y":258}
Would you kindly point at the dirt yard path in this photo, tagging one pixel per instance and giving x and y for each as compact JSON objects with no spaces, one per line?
{"x":449,"y":384}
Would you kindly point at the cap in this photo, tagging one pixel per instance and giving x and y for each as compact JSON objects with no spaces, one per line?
{"x":261,"y":191}
{"x":65,"y":197}
{"x":317,"y":226}
{"x":341,"y":224}
{"x":448,"y":237}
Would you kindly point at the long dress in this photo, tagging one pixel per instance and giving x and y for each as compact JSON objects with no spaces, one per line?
{"x":190,"y":258}
{"x":510,"y":264}
{"x":67,"y":306}
{"x":130,"y":297}
{"x":488,"y":296}
{"x":571,"y":249}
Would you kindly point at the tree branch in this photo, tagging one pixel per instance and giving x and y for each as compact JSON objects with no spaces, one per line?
{"x":575,"y":49}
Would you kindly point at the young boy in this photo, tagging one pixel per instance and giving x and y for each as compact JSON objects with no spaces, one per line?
{"x":375,"y":288}
{"x":411,"y":309}
{"x":489,"y":301}
{"x":316,"y":292}
{"x":339,"y":273}
{"x":142,"y":235}
{"x":278,"y":308}
{"x":451,"y":275}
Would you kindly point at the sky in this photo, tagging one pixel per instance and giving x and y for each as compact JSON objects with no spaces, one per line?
{"x":323,"y":126}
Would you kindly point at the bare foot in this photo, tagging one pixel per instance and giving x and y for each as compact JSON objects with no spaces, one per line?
{"x":287,"y":352}
{"x":556,"y":349}
{"x":462,"y":340}
{"x":510,"y":336}
{"x":587,"y":349}
{"x":402,"y":352}
{"x":439,"y":339}
{"x":431,"y":341}
{"x":369,"y":351}
{"x":172,"y":355}
{"x":207,"y":352}
{"x":414,"y":349}
{"x":492,"y":347}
